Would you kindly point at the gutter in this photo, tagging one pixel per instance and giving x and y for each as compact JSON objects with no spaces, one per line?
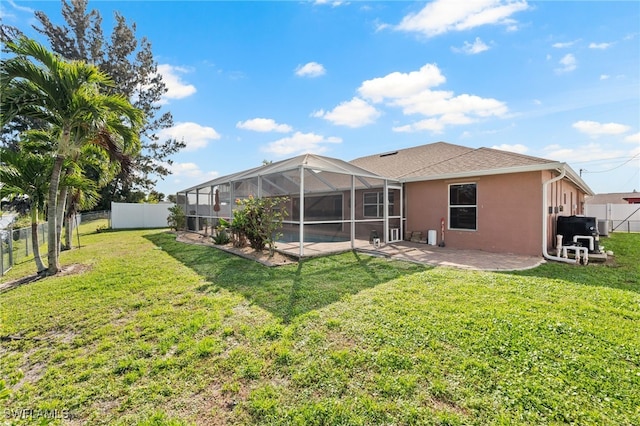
{"x":545,"y":252}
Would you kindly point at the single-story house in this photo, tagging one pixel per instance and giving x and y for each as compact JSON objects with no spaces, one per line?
{"x":489,"y":199}
{"x":484,"y":199}
{"x":615,"y":198}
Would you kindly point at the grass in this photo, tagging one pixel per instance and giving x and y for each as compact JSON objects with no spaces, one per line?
{"x":158,"y":332}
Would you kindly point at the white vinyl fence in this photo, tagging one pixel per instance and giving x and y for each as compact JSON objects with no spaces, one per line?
{"x":619,"y":217}
{"x":137,"y":215}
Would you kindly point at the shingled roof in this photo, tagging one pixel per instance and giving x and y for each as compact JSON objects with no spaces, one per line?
{"x":442,"y":160}
{"x":612,"y":198}
{"x":438,"y":159}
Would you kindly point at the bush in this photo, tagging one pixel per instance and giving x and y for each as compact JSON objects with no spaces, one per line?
{"x":176,"y":219}
{"x":259,"y":220}
{"x":221,"y":236}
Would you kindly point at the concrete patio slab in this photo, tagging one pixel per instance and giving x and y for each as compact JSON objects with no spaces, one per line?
{"x":422,"y":253}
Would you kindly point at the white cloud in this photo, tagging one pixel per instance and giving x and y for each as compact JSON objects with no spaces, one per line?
{"x":584,"y":153}
{"x":413,"y":93}
{"x":563,"y":45}
{"x":300,"y":143}
{"x":399,"y":85}
{"x":20,"y":8}
{"x":604,"y":77}
{"x":517,"y":148}
{"x":194,"y":135}
{"x":594,"y":128}
{"x":599,"y":45}
{"x":354,"y":113}
{"x":635,"y":138}
{"x":568,"y":63}
{"x":176,"y":88}
{"x":189,"y":170}
{"x":263,"y":125}
{"x":380,"y":26}
{"x":310,"y":69}
{"x":478,"y":46}
{"x":332,"y":3}
{"x":435,"y":125}
{"x":442,"y":16}
{"x":433,"y":103}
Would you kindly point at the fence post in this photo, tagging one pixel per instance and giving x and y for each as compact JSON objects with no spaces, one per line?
{"x":10,"y":246}
{"x":26,"y":243}
{"x":1,"y":258}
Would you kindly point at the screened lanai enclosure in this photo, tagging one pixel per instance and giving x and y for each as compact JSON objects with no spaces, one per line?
{"x":330,"y":203}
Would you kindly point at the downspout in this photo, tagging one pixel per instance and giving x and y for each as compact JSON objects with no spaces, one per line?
{"x":545,"y":220}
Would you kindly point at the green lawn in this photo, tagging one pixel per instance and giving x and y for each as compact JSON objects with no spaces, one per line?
{"x":158,"y":332}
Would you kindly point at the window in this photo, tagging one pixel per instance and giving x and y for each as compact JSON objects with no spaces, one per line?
{"x":462,"y":206}
{"x":374,"y":204}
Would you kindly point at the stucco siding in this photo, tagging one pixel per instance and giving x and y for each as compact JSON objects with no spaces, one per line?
{"x":508,"y":212}
{"x":564,"y":199}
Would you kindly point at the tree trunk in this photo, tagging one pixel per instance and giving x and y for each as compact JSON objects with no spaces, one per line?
{"x":34,"y":240}
{"x":68,"y":233}
{"x":68,"y":222}
{"x":52,"y":206}
{"x":60,"y":208}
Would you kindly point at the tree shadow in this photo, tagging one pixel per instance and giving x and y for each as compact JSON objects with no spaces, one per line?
{"x":285,"y":291}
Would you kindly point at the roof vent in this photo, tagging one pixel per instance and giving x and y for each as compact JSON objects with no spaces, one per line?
{"x":388,"y":154}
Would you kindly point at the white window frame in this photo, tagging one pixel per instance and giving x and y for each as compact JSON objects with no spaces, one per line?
{"x":379,"y":204}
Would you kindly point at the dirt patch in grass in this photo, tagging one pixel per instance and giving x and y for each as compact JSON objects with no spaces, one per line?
{"x":278,"y":259}
{"x":443,"y":405}
{"x":73,"y":269}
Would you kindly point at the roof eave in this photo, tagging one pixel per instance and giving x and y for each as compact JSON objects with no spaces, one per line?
{"x":506,"y":170}
{"x":575,"y":178}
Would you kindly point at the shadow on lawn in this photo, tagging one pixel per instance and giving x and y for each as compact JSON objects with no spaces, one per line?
{"x":285,"y":291}
{"x":621,"y":272}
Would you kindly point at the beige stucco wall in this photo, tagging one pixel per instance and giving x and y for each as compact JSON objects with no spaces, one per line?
{"x":509,"y":212}
{"x":565,"y":199}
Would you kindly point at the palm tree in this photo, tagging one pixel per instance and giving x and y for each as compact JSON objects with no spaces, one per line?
{"x":26,"y":173}
{"x":90,"y":170}
{"x":82,"y":194}
{"x":69,"y":96}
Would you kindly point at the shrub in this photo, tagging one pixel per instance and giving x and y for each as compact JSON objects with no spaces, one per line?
{"x":221,"y":236}
{"x":102,"y":228}
{"x":259,"y":220}
{"x":176,"y":219}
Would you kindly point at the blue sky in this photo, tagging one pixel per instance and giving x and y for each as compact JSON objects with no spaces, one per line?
{"x":250,"y":81}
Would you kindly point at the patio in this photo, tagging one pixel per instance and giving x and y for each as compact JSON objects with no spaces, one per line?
{"x":423,"y":254}
{"x":403,"y":250}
